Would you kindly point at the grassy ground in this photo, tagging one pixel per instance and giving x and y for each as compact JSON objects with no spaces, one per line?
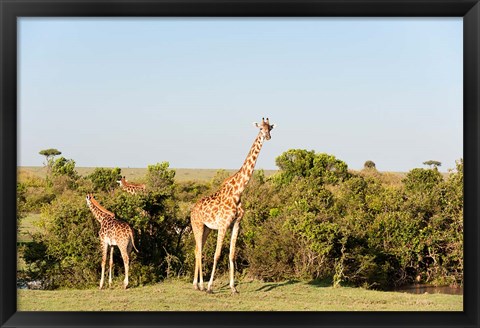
{"x":27,"y":227}
{"x":25,"y":230}
{"x":178,"y":295}
{"x":138,"y":174}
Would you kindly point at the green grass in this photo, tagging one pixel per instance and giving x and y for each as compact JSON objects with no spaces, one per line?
{"x":27,"y":227}
{"x":25,"y":230}
{"x":178,"y":295}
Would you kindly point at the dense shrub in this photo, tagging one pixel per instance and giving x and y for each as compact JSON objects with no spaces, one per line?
{"x":32,"y":193}
{"x":307,"y":164}
{"x":273,"y":253}
{"x":65,"y":167}
{"x":63,"y":175}
{"x":354,"y":228}
{"x":369,"y":165}
{"x":160,"y":178}
{"x":104,"y":179}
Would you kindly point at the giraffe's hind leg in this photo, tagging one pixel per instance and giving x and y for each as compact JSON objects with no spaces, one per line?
{"x":104,"y":260}
{"x":218,"y":250}
{"x":197,"y":233}
{"x":206,"y":232}
{"x":201,"y":233}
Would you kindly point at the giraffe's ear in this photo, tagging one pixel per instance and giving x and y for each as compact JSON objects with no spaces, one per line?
{"x":273,"y":126}
{"x":255,"y":124}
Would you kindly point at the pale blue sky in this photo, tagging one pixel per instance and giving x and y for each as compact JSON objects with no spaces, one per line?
{"x":133,"y":92}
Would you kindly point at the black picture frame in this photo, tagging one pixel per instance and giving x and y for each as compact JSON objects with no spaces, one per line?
{"x":10,"y":10}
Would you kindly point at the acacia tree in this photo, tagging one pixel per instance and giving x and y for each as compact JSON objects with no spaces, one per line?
{"x":432,"y":163}
{"x":49,"y":155}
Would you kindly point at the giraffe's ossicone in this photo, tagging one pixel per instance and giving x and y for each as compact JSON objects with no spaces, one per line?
{"x":224,"y":209}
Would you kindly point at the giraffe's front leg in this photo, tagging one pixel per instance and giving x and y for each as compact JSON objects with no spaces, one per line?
{"x":126,"y":259}
{"x":110,"y":267}
{"x":233,"y":241}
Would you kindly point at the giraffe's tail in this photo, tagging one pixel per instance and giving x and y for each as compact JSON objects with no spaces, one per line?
{"x":133,"y":243}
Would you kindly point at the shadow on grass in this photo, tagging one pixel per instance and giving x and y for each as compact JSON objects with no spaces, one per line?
{"x":225,"y":287}
{"x":271,"y":286}
{"x":327,"y":282}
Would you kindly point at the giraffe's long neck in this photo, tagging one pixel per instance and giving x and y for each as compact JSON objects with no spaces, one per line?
{"x":131,"y":188}
{"x":98,"y":211}
{"x":245,"y":173}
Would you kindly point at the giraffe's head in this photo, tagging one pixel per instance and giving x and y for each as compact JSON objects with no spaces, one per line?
{"x":121,"y":181}
{"x":93,"y":203}
{"x":265,"y":128}
{"x":89,"y":198}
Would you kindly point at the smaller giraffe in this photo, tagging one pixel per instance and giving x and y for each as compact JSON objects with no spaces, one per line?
{"x":112,"y":232}
{"x":130,"y":187}
{"x":133,"y":188}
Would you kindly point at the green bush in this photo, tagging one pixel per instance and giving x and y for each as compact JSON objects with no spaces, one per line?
{"x":307,"y":164}
{"x":273,"y":254}
{"x":160,"y":178}
{"x":353,"y":229}
{"x":369,"y":165}
{"x":66,"y":167}
{"x":105,"y":179}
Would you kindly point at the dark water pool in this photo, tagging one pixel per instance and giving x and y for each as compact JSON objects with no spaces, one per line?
{"x":422,"y":289}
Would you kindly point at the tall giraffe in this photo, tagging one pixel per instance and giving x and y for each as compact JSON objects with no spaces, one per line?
{"x":224,"y":208}
{"x":112,"y":232}
{"x":131,"y":188}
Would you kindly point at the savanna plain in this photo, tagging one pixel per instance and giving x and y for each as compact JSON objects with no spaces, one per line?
{"x":306,"y":250}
